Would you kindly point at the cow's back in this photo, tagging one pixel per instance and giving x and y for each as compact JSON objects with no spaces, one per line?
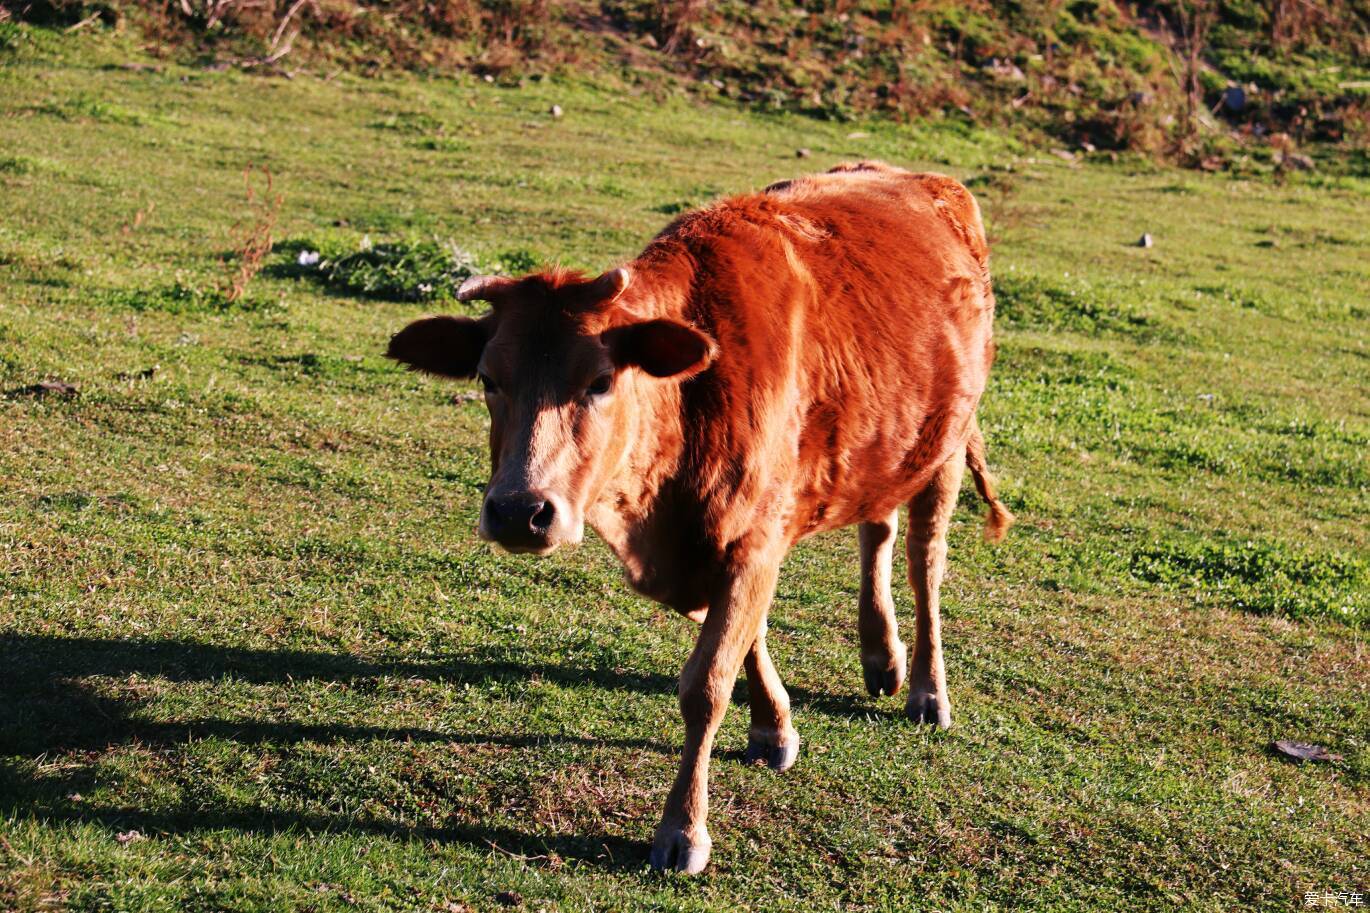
{"x":853,"y":311}
{"x":875,"y":188}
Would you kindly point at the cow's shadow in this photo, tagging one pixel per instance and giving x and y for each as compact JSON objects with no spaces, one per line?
{"x":47,"y":708}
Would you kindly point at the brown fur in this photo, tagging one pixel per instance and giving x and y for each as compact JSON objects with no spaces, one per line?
{"x":783,"y":363}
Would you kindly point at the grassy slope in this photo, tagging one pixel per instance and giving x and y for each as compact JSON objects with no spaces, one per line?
{"x":1084,"y":74}
{"x":243,"y":612}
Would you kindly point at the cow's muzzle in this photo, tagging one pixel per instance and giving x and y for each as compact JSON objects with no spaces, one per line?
{"x":526,"y":521}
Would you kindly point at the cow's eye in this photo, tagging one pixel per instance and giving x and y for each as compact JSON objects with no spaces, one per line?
{"x":487,"y":383}
{"x":600,"y":385}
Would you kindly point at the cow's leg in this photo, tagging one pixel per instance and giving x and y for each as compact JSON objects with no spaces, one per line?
{"x":772,"y":738}
{"x":929,"y":514}
{"x":883,"y":655}
{"x":706,"y":683}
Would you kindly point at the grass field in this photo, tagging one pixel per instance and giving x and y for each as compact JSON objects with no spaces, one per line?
{"x":252,"y":656}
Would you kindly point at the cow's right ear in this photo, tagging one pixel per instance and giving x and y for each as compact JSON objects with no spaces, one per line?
{"x":446,"y":346}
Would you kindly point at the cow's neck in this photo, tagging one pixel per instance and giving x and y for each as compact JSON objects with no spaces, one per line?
{"x":646,"y":511}
{"x":635,"y":513}
{"x":650,"y":441}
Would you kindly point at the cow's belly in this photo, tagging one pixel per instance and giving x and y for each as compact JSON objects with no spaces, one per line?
{"x":869,"y":481}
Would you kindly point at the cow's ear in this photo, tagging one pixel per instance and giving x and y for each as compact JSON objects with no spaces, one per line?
{"x":662,"y":348}
{"x":447,"y":346}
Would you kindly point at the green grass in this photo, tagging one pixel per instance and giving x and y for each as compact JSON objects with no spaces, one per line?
{"x":243,"y":611}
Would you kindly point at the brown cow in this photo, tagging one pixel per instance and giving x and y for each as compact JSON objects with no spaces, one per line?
{"x":770,"y":367}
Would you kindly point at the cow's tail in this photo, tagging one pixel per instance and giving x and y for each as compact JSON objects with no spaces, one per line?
{"x":998,"y":520}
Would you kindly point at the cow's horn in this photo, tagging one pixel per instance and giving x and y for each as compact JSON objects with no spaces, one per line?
{"x":615,"y":282}
{"x":484,"y":288}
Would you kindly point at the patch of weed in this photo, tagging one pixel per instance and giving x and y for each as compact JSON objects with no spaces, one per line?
{"x":66,"y":500}
{"x":12,"y":35}
{"x":85,"y":107}
{"x":1316,"y":429}
{"x":695,"y":197}
{"x":1036,"y":365}
{"x":413,"y":122}
{"x":1245,"y":299}
{"x":1261,"y":577}
{"x":442,"y":144}
{"x":512,"y":263}
{"x":352,"y":371}
{"x":17,"y":164}
{"x":1222,"y":446}
{"x":389,"y":271}
{"x":1036,"y":302}
{"x":399,"y":271}
{"x":185,"y":299}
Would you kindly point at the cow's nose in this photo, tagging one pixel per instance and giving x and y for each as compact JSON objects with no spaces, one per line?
{"x":524,"y":518}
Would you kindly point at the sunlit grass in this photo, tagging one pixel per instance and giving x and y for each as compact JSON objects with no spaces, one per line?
{"x":243,"y":612}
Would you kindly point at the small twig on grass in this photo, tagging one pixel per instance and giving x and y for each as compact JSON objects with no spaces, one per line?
{"x":512,"y":855}
{"x":93,"y":18}
{"x":249,"y":62}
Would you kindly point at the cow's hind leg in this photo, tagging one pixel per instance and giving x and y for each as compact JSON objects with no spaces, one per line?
{"x":883,"y":655}
{"x":929,"y":515}
{"x":773,"y":738}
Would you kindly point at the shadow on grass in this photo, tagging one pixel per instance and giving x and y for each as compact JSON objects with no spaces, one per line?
{"x":602,"y":850}
{"x":38,"y":663}
{"x":48,"y":710}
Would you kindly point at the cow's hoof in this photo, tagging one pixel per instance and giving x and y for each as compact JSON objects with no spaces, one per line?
{"x":778,"y":758}
{"x":924,"y":706}
{"x":675,"y":849}
{"x":884,"y":675}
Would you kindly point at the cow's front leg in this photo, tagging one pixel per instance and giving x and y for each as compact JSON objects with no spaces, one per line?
{"x":706,"y":683}
{"x":772,"y":738}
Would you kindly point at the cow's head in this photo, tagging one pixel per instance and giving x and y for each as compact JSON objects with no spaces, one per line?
{"x":562,"y":361}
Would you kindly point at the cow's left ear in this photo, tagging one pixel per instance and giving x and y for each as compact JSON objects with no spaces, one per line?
{"x":662,"y":348}
{"x":447,"y":346}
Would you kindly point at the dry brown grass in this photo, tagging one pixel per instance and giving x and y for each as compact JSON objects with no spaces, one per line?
{"x":251,"y":235}
{"x":26,"y":882}
{"x":139,"y":219}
